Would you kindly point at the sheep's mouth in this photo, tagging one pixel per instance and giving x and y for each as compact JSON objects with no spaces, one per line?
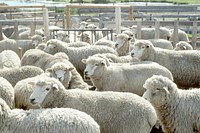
{"x":86,"y":77}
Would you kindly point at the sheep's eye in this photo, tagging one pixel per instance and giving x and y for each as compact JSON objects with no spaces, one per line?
{"x":143,"y":47}
{"x":96,"y":64}
{"x":47,"y":89}
{"x":158,"y":89}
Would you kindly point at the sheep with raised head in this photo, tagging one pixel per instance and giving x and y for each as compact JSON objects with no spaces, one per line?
{"x":56,"y":120}
{"x":130,"y":34}
{"x":86,"y":36}
{"x":97,"y":34}
{"x":63,"y":36}
{"x":121,"y":77}
{"x":77,"y":54}
{"x":177,"y":110}
{"x":182,"y":45}
{"x":13,"y":75}
{"x":122,"y":45}
{"x":7,"y":92}
{"x":184,"y":65}
{"x":115,"y":112}
{"x":9,"y":59}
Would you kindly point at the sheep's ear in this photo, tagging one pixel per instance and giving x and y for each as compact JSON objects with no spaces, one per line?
{"x":55,"y":86}
{"x":49,"y":70}
{"x":84,"y":61}
{"x":32,"y":83}
{"x":144,"y":86}
{"x":166,"y":89}
{"x":71,"y":68}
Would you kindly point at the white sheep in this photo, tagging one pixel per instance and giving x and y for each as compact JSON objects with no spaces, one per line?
{"x":104,"y":42}
{"x":7,"y":92}
{"x":13,"y":75}
{"x":77,"y":54}
{"x":9,"y":59}
{"x":33,"y":57}
{"x":149,"y":33}
{"x":184,"y":65}
{"x":161,"y":43}
{"x":117,"y":59}
{"x":182,"y":45}
{"x":177,"y":110}
{"x":63,"y":36}
{"x":56,"y":120}
{"x":182,"y":35}
{"x":97,"y":34}
{"x":115,"y":112}
{"x":36,"y":40}
{"x":110,"y":36}
{"x":23,"y":90}
{"x":121,"y":77}
{"x":122,"y":44}
{"x":130,"y":34}
{"x":86,"y":36}
{"x":67,"y":75}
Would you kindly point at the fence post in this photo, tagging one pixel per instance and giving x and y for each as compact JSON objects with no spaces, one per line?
{"x":118,"y":19}
{"x":131,"y":12}
{"x":32,"y":26}
{"x":16,"y":31}
{"x":139,"y":30}
{"x":194,"y":34}
{"x":157,"y":29}
{"x":175,"y":36}
{"x":68,"y":17}
{"x":1,"y":32}
{"x":46,"y":24}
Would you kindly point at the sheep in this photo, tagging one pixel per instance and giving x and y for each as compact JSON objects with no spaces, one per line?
{"x":67,"y":75}
{"x":117,"y":59}
{"x":86,"y":36}
{"x":77,"y":54}
{"x":9,"y":44}
{"x":161,"y":43}
{"x":184,"y":65}
{"x":177,"y":109}
{"x":97,"y":34}
{"x":122,"y":44}
{"x":110,"y":36}
{"x":130,"y":34}
{"x":182,"y":45}
{"x":56,"y":120}
{"x":182,"y":35}
{"x":13,"y":75}
{"x":40,"y":46}
{"x":33,"y":57}
{"x":104,"y":42}
{"x":36,"y":40}
{"x":115,"y":112}
{"x":63,"y":36}
{"x":23,"y":90}
{"x":9,"y":59}
{"x":149,"y":33}
{"x":121,"y":77}
{"x":7,"y":92}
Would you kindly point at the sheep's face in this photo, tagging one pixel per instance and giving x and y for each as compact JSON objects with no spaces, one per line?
{"x":41,"y":91}
{"x":139,"y":48}
{"x":157,"y":91}
{"x":50,"y":48}
{"x":93,"y":67}
{"x":121,"y":40}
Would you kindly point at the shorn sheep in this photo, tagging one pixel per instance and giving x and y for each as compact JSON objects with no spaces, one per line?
{"x":115,"y":112}
{"x":13,"y":75}
{"x":56,"y":120}
{"x":184,"y":65}
{"x":182,"y":45}
{"x":77,"y":54}
{"x":121,"y":77}
{"x":7,"y":92}
{"x":177,"y":110}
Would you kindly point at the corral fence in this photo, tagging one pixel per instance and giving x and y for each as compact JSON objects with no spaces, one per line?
{"x":117,"y":15}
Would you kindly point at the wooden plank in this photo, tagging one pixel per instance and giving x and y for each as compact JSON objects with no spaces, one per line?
{"x":1,"y":32}
{"x":14,"y":7}
{"x":157,"y":29}
{"x":194,"y":34}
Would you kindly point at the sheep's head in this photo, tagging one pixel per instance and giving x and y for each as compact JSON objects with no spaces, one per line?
{"x":158,"y":90}
{"x":94,"y":66}
{"x":42,"y":88}
{"x":61,"y":71}
{"x":182,"y":45}
{"x":140,"y":48}
{"x":4,"y":108}
{"x":50,"y":47}
{"x":36,"y":39}
{"x":122,"y":40}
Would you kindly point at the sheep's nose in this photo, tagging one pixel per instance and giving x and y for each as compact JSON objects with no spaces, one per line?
{"x":59,"y":78}
{"x":132,"y":54}
{"x":86,"y":72}
{"x":32,"y":100}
